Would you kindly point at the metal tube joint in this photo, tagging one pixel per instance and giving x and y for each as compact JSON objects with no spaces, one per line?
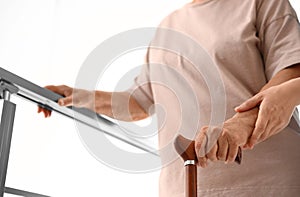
{"x":7,"y":89}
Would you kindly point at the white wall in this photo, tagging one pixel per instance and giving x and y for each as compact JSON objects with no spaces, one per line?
{"x":46,"y":41}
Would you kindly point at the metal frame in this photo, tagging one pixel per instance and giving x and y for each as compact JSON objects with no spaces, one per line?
{"x":48,"y":99}
{"x":11,"y":84}
{"x":6,"y":129}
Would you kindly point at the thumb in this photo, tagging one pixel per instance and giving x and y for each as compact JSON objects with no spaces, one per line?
{"x":249,"y":104}
{"x":67,"y":101}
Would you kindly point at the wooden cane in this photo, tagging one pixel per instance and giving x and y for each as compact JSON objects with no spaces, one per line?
{"x":186,"y":149}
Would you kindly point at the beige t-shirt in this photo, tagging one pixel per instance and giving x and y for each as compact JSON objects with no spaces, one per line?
{"x":212,"y":57}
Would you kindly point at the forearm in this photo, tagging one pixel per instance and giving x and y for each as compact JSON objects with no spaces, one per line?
{"x":284,"y":75}
{"x":293,"y":87}
{"x":119,"y":105}
{"x":290,"y":76}
{"x":278,"y":97}
{"x":296,"y":87}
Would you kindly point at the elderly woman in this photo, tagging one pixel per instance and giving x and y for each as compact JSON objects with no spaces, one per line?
{"x":255,"y":45}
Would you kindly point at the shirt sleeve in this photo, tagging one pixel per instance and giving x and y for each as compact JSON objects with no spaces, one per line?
{"x":141,"y":89}
{"x":279,"y":33}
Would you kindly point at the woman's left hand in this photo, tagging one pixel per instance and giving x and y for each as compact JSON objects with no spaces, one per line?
{"x":276,"y":108}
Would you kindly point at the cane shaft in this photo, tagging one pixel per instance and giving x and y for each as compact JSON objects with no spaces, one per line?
{"x":191,"y":181}
{"x":186,"y":149}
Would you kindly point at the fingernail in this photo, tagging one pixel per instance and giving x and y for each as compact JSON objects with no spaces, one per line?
{"x":61,"y":102}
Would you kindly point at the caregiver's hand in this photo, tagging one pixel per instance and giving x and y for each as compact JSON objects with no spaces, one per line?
{"x":222,"y":143}
{"x":276,"y":108}
{"x":72,"y":97}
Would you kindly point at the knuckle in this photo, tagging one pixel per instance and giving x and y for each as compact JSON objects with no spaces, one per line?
{"x":231,"y":157}
{"x":234,"y":143}
{"x":222,"y":156}
{"x":255,"y":136}
{"x":212,"y":157}
{"x":204,"y":129}
{"x":259,"y":128}
{"x":67,"y":92}
{"x":197,"y":145}
{"x":209,"y":156}
{"x":202,"y":160}
{"x":233,"y":140}
{"x":225,"y":133}
{"x":259,"y":96}
{"x":50,"y":87}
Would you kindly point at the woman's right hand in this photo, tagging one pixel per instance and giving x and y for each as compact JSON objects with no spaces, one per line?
{"x":276,"y":106}
{"x":72,"y":97}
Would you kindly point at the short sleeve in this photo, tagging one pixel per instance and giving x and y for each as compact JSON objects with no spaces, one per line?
{"x":279,"y":32}
{"x":281,"y":45}
{"x":141,"y":89}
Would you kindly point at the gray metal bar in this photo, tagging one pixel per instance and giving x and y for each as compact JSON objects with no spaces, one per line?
{"x":19,"y":192}
{"x":48,"y":100}
{"x":6,"y":129}
{"x":6,"y":95}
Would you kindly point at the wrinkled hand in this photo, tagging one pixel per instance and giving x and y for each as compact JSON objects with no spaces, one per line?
{"x":275,"y":111}
{"x":72,"y":97}
{"x":222,"y":143}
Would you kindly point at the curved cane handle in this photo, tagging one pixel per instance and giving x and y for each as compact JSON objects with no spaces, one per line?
{"x":186,"y":149}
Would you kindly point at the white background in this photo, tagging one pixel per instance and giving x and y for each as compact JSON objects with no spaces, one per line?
{"x":46,"y":41}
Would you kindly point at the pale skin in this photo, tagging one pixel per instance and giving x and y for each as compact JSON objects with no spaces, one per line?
{"x":100,"y":102}
{"x":246,"y":128}
{"x":235,"y":132}
{"x":238,"y":129}
{"x":281,"y":99}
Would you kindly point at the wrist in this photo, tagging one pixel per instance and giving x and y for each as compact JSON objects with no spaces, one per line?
{"x":293,"y":92}
{"x":102,"y":101}
{"x":249,"y":116}
{"x":246,"y":114}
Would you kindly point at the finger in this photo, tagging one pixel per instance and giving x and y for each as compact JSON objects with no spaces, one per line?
{"x":232,"y":152}
{"x":212,"y":133}
{"x":67,"y":101}
{"x":247,"y":146}
{"x":270,"y":131}
{"x":222,"y":148}
{"x":61,"y":89}
{"x":45,"y":113}
{"x":212,"y":155}
{"x":202,"y":161}
{"x":200,"y":144}
{"x":256,"y":135}
{"x":260,"y":127}
{"x":39,"y":109}
{"x":275,"y":125}
{"x":250,"y":103}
